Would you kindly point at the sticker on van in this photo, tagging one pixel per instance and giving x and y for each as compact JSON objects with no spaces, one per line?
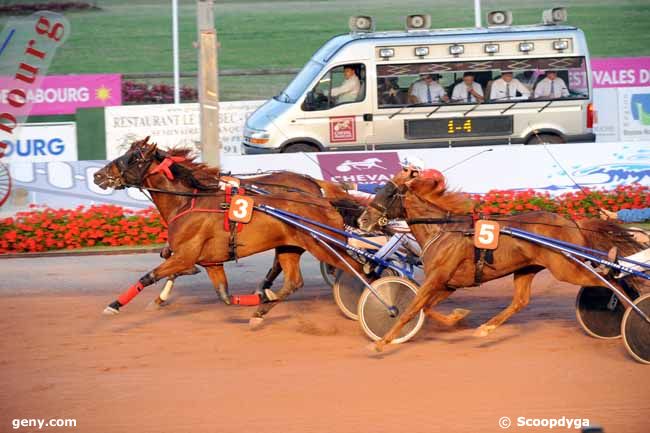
{"x":343,"y":129}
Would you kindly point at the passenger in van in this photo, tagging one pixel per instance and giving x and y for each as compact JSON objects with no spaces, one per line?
{"x":427,"y":90}
{"x":506,"y":88}
{"x":468,"y":90}
{"x":528,"y":79}
{"x":349,"y":89}
{"x":388,"y":91}
{"x":551,"y":87}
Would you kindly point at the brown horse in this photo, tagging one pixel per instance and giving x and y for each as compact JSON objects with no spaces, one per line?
{"x":195,"y":215}
{"x":442,"y":222}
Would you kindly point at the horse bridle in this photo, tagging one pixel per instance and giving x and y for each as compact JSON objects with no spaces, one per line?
{"x":396,"y":193}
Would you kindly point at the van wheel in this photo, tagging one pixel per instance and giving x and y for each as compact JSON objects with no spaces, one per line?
{"x":300,"y":147}
{"x":545,"y":138}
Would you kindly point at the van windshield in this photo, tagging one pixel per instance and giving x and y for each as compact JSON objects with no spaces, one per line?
{"x":297,"y":87}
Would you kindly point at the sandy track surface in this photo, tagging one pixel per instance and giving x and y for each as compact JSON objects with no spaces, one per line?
{"x":196,"y":367}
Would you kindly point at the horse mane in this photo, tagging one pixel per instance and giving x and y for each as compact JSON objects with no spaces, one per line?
{"x":435,"y":192}
{"x":197,"y":174}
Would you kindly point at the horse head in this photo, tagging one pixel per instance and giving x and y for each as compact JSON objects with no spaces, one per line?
{"x":393,"y":199}
{"x":129,"y":169}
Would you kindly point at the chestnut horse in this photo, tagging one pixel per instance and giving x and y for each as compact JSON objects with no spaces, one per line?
{"x":195,"y":217}
{"x":442,"y":222}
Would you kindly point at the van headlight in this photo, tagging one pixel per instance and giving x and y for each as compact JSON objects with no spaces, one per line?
{"x":254,"y":136}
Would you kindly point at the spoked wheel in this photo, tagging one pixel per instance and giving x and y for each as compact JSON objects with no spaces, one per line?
{"x":347,"y":290}
{"x":375,"y":318}
{"x":329,"y":273}
{"x":5,"y":183}
{"x":636,"y":331}
{"x":600,"y":312}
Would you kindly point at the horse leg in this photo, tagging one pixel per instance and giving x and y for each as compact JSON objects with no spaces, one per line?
{"x":431,"y":293}
{"x":171,"y":267}
{"x":264,"y":289}
{"x":290,"y":263}
{"x":523,"y":280}
{"x":219,"y":280}
{"x":444,"y":319}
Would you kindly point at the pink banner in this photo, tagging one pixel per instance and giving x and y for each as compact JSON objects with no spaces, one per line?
{"x":63,"y":94}
{"x":621,"y":72}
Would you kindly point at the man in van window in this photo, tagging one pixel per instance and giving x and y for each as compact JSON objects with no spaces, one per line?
{"x":551,"y":87}
{"x":507,"y":87}
{"x":427,"y":90}
{"x":349,"y":89}
{"x":468,"y":90}
{"x":528,"y":79}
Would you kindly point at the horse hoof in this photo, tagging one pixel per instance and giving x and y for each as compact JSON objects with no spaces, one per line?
{"x":255,"y":322}
{"x":375,"y":348}
{"x":484,"y":330}
{"x":110,"y":311}
{"x":155,"y":305}
{"x":270,"y":295}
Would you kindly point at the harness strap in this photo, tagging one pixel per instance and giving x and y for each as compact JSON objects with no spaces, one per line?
{"x":165,"y":165}
{"x":193,"y":208}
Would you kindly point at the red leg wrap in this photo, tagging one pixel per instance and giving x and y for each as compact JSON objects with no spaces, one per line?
{"x":245,"y":299}
{"x":126,"y":297}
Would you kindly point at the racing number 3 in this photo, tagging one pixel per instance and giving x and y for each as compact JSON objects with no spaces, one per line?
{"x":241,"y":209}
{"x":486,"y":234}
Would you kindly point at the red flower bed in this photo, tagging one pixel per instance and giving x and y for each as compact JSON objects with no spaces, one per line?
{"x":575,"y":205}
{"x":142,"y":93}
{"x":43,"y":229}
{"x":53,"y":229}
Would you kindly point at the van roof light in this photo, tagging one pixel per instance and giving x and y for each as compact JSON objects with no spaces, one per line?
{"x":499,"y":18}
{"x":555,"y":15}
{"x":418,"y":22}
{"x":361,"y":24}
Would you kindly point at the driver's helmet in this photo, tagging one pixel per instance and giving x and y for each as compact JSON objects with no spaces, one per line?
{"x":413,"y":163}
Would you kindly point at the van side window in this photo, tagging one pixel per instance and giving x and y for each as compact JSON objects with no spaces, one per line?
{"x":340,"y":85}
{"x":489,"y":81}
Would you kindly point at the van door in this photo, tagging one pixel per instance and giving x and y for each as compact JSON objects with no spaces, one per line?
{"x":336,"y":112}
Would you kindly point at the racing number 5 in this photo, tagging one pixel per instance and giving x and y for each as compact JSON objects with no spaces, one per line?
{"x":241,"y":209}
{"x":486,"y":234}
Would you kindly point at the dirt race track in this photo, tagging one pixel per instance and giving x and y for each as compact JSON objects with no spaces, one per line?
{"x":196,"y":367}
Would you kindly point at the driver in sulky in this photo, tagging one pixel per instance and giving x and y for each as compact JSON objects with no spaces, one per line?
{"x":349,"y":89}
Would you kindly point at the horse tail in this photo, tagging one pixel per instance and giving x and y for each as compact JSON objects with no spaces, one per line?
{"x":603,"y":235}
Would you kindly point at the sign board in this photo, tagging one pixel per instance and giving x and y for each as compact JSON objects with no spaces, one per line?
{"x":43,"y":142}
{"x":63,"y":94}
{"x":171,"y":125}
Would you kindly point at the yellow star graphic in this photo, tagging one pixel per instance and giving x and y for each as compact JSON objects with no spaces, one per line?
{"x":103,"y":93}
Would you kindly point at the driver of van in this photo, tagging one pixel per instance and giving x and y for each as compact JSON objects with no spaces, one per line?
{"x":427,"y":90}
{"x":349,"y":89}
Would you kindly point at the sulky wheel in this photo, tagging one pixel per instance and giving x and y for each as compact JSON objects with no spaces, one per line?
{"x":375,"y":318}
{"x":600,"y":312}
{"x":636,"y":330}
{"x":347,"y":290}
{"x":329,"y":273}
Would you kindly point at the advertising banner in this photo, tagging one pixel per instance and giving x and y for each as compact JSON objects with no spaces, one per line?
{"x":63,"y":94}
{"x":171,"y":125}
{"x":470,"y":169}
{"x":364,"y":167}
{"x":621,"y":72}
{"x":43,"y":142}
